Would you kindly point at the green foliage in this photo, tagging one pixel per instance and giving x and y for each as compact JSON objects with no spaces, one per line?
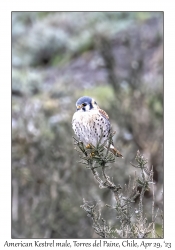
{"x":104,"y":94}
{"x":156,"y":105}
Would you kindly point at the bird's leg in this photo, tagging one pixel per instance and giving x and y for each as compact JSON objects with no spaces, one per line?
{"x":89,"y":146}
{"x":92,"y":154}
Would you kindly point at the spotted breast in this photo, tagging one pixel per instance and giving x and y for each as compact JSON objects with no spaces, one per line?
{"x":90,"y":126}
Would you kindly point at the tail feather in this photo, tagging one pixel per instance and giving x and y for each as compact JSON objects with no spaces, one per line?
{"x":115,"y":151}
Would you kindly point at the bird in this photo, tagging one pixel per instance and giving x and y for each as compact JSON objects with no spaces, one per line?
{"x":91,"y":124}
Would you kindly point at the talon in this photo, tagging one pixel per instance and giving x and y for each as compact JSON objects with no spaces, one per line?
{"x":92,"y":154}
{"x":89,"y":146}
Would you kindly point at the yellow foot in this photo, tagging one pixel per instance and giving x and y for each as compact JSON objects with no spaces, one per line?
{"x":89,"y":146}
{"x":92,"y":154}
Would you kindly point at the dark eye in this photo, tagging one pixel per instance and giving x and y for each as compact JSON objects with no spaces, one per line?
{"x":95,"y":103}
{"x":84,"y":104}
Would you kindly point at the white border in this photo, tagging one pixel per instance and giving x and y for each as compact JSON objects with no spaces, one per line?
{"x":5,"y":93}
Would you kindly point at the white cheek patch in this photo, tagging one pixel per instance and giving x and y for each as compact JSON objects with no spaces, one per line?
{"x":87,"y":107}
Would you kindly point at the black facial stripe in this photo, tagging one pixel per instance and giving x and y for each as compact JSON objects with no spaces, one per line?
{"x":91,"y":107}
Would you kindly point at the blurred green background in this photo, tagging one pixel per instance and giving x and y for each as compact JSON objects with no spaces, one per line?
{"x":57,"y":57}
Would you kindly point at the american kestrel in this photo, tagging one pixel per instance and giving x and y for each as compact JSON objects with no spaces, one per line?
{"x":91,"y":124}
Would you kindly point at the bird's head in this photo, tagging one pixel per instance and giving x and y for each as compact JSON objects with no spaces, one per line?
{"x":86,"y":103}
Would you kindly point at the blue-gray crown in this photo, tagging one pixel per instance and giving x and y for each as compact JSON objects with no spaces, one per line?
{"x":83,"y":99}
